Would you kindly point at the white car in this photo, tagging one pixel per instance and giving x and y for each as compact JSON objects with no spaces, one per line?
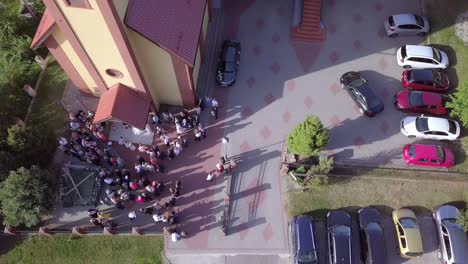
{"x":421,"y":57}
{"x":426,"y":127}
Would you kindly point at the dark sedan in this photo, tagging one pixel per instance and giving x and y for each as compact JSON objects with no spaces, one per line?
{"x":339,"y":237}
{"x":372,"y":236}
{"x":369,"y":103}
{"x":228,"y":63}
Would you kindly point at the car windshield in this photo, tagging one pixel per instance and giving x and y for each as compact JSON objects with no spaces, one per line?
{"x":440,"y":153}
{"x":357,"y":82}
{"x":306,"y":257}
{"x":408,"y":222}
{"x":437,"y":78}
{"x":452,"y":127}
{"x":419,"y":21}
{"x":403,"y":51}
{"x":412,"y":151}
{"x":421,"y":124}
{"x":391,"y":22}
{"x":415,"y":98}
{"x":436,"y":54}
{"x":342,"y":230}
{"x":374,"y":226}
{"x":450,"y":223}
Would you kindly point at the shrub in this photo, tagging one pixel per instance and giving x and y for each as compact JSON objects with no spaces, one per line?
{"x":23,"y":197}
{"x":462,"y":219}
{"x":324,"y":167}
{"x":459,"y":104}
{"x":308,"y":138}
{"x":300,"y":170}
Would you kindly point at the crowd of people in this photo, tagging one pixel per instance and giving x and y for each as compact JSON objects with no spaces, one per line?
{"x":124,"y":188}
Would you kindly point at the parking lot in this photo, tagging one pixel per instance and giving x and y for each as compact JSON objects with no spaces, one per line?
{"x":285,"y":81}
{"x":280,"y":82}
{"x":427,"y":227}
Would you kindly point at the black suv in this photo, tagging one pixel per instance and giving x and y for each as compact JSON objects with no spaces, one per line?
{"x":303,"y":241}
{"x":228,"y":63}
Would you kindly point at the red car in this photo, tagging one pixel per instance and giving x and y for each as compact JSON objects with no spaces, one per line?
{"x":428,"y":155}
{"x":425,"y":80}
{"x":420,"y":102}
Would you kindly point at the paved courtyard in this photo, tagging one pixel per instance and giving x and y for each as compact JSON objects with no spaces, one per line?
{"x":281,"y":82}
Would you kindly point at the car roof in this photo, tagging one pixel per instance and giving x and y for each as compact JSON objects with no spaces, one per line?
{"x":459,"y":244}
{"x":419,"y":51}
{"x":403,"y":19}
{"x":376,"y":242}
{"x":438,"y":124}
{"x":430,"y":98}
{"x":426,"y":151}
{"x":422,"y":75}
{"x":305,"y":233}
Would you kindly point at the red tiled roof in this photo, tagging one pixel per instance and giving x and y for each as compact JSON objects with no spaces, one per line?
{"x":173,"y":24}
{"x":124,"y":104}
{"x":42,"y":32}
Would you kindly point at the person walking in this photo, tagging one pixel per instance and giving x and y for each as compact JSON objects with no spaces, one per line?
{"x":214,"y":107}
{"x":132,"y":216}
{"x":198,"y":134}
{"x":179,"y":129}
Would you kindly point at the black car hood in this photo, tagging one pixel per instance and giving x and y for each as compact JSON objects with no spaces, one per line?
{"x":368,"y":215}
{"x":338,"y":217}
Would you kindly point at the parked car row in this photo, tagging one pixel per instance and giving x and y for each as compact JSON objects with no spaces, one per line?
{"x":453,"y":241}
{"x":422,"y":94}
{"x":423,"y":81}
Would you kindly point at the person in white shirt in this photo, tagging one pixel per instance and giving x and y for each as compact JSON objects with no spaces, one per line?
{"x":175,"y":237}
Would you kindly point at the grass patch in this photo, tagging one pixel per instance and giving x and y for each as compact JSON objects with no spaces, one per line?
{"x":68,"y":249}
{"x":47,"y":110}
{"x":442,"y":18}
{"x":351,"y":193}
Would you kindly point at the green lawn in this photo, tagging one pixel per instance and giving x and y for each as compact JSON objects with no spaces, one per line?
{"x":351,"y":193}
{"x":66,"y":249}
{"x":442,"y":15}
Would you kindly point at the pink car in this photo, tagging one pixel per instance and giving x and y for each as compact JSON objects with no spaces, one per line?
{"x":428,"y":155}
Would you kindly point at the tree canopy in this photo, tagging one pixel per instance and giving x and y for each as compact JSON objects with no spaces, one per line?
{"x":23,"y":197}
{"x":308,"y":138}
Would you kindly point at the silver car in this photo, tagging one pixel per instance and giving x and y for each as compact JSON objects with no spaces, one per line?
{"x":406,"y":24}
{"x":452,"y":239}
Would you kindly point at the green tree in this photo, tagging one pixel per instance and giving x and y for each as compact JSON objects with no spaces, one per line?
{"x":462,"y":219}
{"x":30,"y":146}
{"x":459,"y":104}
{"x":23,"y":197}
{"x":308,"y":138}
